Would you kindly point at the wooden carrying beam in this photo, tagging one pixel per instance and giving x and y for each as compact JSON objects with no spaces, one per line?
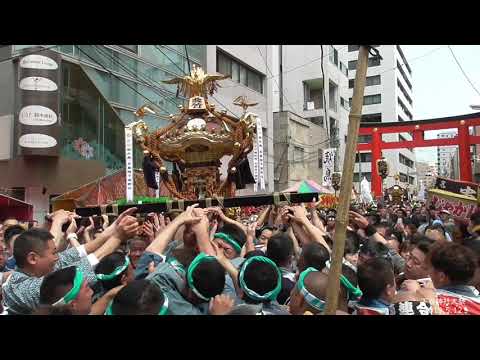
{"x":239,"y":201}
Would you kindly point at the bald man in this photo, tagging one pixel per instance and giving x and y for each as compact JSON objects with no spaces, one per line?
{"x":310,"y":294}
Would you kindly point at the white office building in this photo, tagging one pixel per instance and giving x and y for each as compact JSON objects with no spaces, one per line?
{"x":249,"y":67}
{"x":314,"y":79}
{"x":387,"y":98}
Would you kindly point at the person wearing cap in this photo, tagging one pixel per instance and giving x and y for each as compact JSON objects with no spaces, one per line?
{"x":260,"y":282}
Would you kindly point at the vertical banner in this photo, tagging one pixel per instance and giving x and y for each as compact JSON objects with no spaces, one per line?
{"x":255,"y":167}
{"x":129,"y":163}
{"x":157,"y":179}
{"x":328,"y":166}
{"x":37,"y":115}
{"x":261,"y":175}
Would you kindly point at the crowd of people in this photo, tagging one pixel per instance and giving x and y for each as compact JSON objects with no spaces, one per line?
{"x":407,"y":259}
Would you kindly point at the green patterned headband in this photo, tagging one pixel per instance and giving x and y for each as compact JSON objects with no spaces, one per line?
{"x":354,"y":293}
{"x":271,"y":295}
{"x":163,"y":309}
{"x":73,"y":293}
{"x":230,"y":240}
{"x":311,"y":299}
{"x":118,"y":270}
{"x":197,"y":261}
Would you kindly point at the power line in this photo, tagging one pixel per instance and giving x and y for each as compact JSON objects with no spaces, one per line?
{"x":278,"y":86}
{"x":29,"y":53}
{"x":292,"y":69}
{"x":136,"y":76}
{"x":119,"y":78}
{"x":463,"y":72}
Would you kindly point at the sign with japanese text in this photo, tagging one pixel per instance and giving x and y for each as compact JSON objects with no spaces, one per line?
{"x":129,"y":163}
{"x":328,"y":161}
{"x":457,"y":205}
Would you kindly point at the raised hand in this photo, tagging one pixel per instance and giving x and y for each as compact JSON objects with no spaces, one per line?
{"x":188,"y":216}
{"x":126,"y":228}
{"x":220,"y":305}
{"x":358,"y":219}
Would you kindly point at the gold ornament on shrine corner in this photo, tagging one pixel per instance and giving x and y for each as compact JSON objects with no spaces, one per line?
{"x":197,"y":138}
{"x":382,"y":168}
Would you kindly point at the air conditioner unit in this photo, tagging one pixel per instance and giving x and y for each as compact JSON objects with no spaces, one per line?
{"x":310,"y":105}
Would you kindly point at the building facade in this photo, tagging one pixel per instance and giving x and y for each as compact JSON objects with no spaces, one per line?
{"x":313,"y":80}
{"x":249,"y":68}
{"x":98,"y":88}
{"x":387,"y":98}
{"x":444,"y":156}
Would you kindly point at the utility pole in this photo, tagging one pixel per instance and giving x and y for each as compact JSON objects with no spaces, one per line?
{"x":333,"y":286}
{"x":280,"y":76}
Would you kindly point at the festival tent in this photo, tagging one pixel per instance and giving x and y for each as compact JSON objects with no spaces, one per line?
{"x":308,"y":186}
{"x":102,"y":191}
{"x":11,"y":207}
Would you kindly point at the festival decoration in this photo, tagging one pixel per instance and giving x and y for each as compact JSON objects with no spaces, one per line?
{"x":197,"y":138}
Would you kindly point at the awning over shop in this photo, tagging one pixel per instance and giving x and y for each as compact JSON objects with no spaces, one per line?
{"x":308,"y":186}
{"x":14,"y":208}
{"x":102,"y":191}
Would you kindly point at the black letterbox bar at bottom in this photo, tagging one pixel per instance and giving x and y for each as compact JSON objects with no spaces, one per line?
{"x":240,"y":201}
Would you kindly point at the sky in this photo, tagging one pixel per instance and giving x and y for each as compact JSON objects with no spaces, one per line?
{"x":439,"y":87}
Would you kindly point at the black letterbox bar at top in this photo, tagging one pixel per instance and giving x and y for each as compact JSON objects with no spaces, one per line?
{"x":240,"y":201}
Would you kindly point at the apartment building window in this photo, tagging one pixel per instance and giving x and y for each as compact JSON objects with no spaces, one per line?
{"x":332,"y":96}
{"x":364,"y":157}
{"x":317,"y":120}
{"x":343,"y":69}
{"x":344,"y":103}
{"x":364,"y":139}
{"x":404,"y":60}
{"x":356,"y":176}
{"x":333,"y":54}
{"x":369,"y":81}
{"x":298,"y":154}
{"x":404,"y":108}
{"x":404,"y":92}
{"x":371,"y":118}
{"x":403,"y":177}
{"x":372,"y":99}
{"x":374,"y":61}
{"x":399,"y":67}
{"x":313,"y":95}
{"x":239,"y":72}
{"x":411,"y":180}
{"x":405,"y":160}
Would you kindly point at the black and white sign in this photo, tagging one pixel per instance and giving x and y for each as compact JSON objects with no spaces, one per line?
{"x":37,"y":83}
{"x":36,"y":61}
{"x":37,"y":115}
{"x":37,"y":141}
{"x":328,"y":166}
{"x":129,"y":163}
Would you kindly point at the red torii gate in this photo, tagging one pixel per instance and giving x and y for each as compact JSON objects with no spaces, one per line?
{"x":417,"y":128}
